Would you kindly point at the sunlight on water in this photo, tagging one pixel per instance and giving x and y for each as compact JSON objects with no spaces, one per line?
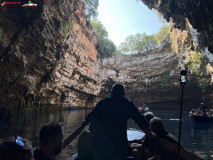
{"x":171,"y":119}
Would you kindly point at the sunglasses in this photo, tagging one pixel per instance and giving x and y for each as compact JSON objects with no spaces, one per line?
{"x":19,"y":141}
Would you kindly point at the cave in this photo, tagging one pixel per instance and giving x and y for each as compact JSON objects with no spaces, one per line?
{"x":48,"y":52}
{"x":49,"y":63}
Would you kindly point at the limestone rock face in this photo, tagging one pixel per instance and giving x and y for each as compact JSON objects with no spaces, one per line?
{"x":198,"y":13}
{"x":47,"y":55}
{"x":151,"y":78}
{"x":144,"y":76}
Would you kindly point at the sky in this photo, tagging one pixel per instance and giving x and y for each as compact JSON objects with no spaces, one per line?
{"x":123,"y":18}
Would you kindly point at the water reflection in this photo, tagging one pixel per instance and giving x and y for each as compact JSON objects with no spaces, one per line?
{"x":200,"y":136}
{"x":196,"y":139}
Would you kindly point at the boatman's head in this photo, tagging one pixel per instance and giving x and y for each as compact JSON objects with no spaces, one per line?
{"x":118,"y":90}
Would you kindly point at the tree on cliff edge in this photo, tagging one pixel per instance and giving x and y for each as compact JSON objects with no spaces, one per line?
{"x":138,"y":43}
{"x":91,"y":7}
{"x":106,"y":48}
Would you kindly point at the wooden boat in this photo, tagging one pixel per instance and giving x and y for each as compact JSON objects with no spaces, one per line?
{"x":74,"y":157}
{"x":201,"y":119}
{"x":136,"y":134}
{"x":71,"y":108}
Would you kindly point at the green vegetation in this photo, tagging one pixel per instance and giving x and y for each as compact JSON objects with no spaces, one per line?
{"x":197,"y":66}
{"x":105,"y":47}
{"x":163,"y":37}
{"x":141,"y":43}
{"x":91,"y":8}
{"x":195,"y":63}
{"x":167,"y":6}
{"x":138,"y":43}
{"x":67,"y":26}
{"x":165,"y":79}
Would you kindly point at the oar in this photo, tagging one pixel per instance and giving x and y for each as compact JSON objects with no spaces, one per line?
{"x":185,"y":117}
{"x":73,"y":135}
{"x":173,"y":147}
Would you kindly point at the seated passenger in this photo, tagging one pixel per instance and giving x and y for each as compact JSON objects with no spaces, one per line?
{"x":51,"y":135}
{"x":16,"y":148}
{"x":148,"y":116}
{"x":85,"y":144}
{"x":203,"y":107}
{"x":192,"y":112}
{"x":156,"y":125}
{"x":151,"y":150}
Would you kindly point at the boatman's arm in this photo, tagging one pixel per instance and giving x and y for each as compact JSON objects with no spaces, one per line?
{"x":149,"y":133}
{"x":141,"y":121}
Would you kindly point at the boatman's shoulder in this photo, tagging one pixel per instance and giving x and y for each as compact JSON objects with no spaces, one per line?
{"x":129,"y":100}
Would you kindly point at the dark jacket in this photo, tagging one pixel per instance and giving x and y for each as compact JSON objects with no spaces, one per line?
{"x":110,"y":117}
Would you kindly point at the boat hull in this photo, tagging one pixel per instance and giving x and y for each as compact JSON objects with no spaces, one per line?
{"x":201,"y":119}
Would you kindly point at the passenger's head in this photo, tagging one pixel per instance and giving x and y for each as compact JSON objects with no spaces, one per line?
{"x":149,"y":116}
{"x":118,"y":90}
{"x":156,"y":125}
{"x":16,"y":148}
{"x":51,"y":135}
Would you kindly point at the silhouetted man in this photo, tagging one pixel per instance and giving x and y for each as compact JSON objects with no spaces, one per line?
{"x":51,"y":135}
{"x":110,"y":117}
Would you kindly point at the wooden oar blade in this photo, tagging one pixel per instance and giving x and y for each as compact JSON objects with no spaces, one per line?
{"x":73,"y":136}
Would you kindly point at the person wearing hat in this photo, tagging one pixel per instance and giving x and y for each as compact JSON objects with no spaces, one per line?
{"x":110,"y":118}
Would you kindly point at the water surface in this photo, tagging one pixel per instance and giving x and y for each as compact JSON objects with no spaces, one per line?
{"x":195,"y":138}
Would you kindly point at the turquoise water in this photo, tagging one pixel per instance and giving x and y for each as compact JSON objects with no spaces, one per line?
{"x":195,"y":138}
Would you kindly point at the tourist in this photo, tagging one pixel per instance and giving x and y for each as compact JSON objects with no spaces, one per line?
{"x":16,"y":148}
{"x":85,"y":144}
{"x":51,"y":135}
{"x":203,"y":107}
{"x":148,"y":116}
{"x":152,"y":150}
{"x":110,"y":117}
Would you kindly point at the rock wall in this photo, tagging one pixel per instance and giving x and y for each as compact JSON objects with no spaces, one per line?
{"x":198,"y":13}
{"x":47,"y":55}
{"x":152,"y":78}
